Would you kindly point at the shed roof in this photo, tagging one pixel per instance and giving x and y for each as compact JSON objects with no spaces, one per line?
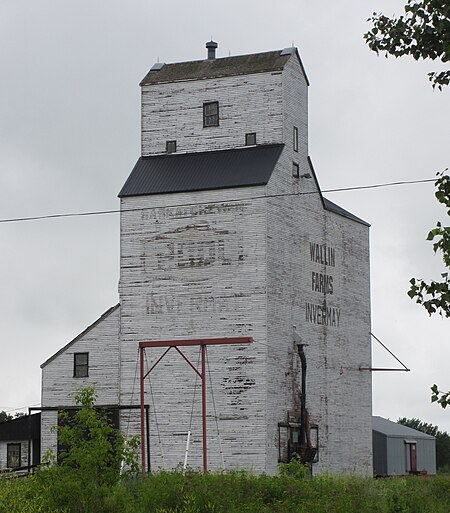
{"x":21,"y":428}
{"x":207,"y":170}
{"x":392,"y":429}
{"x":222,"y":67}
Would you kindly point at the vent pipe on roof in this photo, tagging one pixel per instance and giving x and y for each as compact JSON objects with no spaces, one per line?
{"x":211,"y":46}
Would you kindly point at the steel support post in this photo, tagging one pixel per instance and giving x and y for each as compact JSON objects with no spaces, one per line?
{"x":142,"y":391}
{"x":205,"y":443}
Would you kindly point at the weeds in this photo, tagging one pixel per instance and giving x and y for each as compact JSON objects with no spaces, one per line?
{"x":232,"y":492}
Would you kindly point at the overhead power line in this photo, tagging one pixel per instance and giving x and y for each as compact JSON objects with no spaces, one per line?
{"x":116,"y":211}
{"x":18,"y":408}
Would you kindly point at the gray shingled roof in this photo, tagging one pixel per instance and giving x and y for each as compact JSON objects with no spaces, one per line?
{"x":223,"y":67}
{"x":186,"y":172}
{"x":389,"y":428}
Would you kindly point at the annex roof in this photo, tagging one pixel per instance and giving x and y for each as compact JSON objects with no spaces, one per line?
{"x":392,"y":429}
{"x":221,"y":67}
{"x":89,"y":328}
{"x":207,"y":170}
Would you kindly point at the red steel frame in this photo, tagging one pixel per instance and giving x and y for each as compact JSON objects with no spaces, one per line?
{"x":176,"y":344}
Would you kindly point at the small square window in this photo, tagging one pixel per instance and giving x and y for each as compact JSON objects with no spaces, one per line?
{"x":295,"y":141}
{"x":171,"y":146}
{"x":211,"y":114}
{"x":250,"y":139}
{"x":81,"y":365}
{"x":13,"y":455}
{"x":295,"y":170}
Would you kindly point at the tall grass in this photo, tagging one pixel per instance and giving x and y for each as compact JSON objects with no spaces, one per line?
{"x":233,"y":492}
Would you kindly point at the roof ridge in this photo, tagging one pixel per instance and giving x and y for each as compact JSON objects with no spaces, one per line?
{"x":222,"y":58}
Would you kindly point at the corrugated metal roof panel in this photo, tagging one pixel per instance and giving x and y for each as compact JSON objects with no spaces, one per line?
{"x":389,"y":428}
{"x":186,"y":172}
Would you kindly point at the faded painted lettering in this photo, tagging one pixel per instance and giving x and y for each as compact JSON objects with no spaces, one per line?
{"x":322,"y":315}
{"x":322,"y":283}
{"x":322,"y":254}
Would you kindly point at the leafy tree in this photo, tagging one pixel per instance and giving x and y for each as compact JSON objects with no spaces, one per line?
{"x":94,"y":455}
{"x":442,"y":398}
{"x":442,"y":440}
{"x":435,"y":296}
{"x":423,"y":33}
{"x":4,"y":416}
{"x":417,"y":424}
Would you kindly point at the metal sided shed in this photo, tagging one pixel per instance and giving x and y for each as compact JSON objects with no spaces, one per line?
{"x":400,"y":450}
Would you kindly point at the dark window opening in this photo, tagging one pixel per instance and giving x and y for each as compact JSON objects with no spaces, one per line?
{"x":81,"y":365}
{"x":171,"y":146}
{"x":68,"y":418}
{"x":211,"y":114}
{"x":250,"y":139}
{"x":295,"y":141}
{"x":13,"y":455}
{"x":295,"y":170}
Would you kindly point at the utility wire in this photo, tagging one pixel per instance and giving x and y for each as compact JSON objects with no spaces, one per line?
{"x":18,"y":408}
{"x":116,"y":211}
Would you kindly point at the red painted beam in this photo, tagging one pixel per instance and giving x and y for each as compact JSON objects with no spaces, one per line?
{"x":142,"y":401}
{"x":203,"y":342}
{"x":204,"y":439}
{"x":197,"y":342}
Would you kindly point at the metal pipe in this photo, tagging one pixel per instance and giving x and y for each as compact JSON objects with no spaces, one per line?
{"x":372,"y":369}
{"x":302,"y":356}
{"x":390,"y":352}
{"x":187,"y":450}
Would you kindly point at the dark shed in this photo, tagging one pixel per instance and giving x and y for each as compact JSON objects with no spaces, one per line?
{"x":21,"y":430}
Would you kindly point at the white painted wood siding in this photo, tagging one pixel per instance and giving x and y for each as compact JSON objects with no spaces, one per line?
{"x":197,"y":272}
{"x":59,"y":384}
{"x":249,"y":103}
{"x":338,"y":394}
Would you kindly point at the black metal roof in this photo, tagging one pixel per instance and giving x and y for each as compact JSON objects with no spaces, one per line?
{"x":332,"y":207}
{"x":223,"y":67}
{"x":21,"y":428}
{"x":186,"y":172}
{"x":329,"y":205}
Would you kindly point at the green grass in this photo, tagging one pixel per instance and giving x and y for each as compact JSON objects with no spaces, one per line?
{"x":233,"y":492}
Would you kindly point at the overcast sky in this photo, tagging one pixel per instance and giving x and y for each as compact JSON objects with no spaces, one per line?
{"x":70,"y":135}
